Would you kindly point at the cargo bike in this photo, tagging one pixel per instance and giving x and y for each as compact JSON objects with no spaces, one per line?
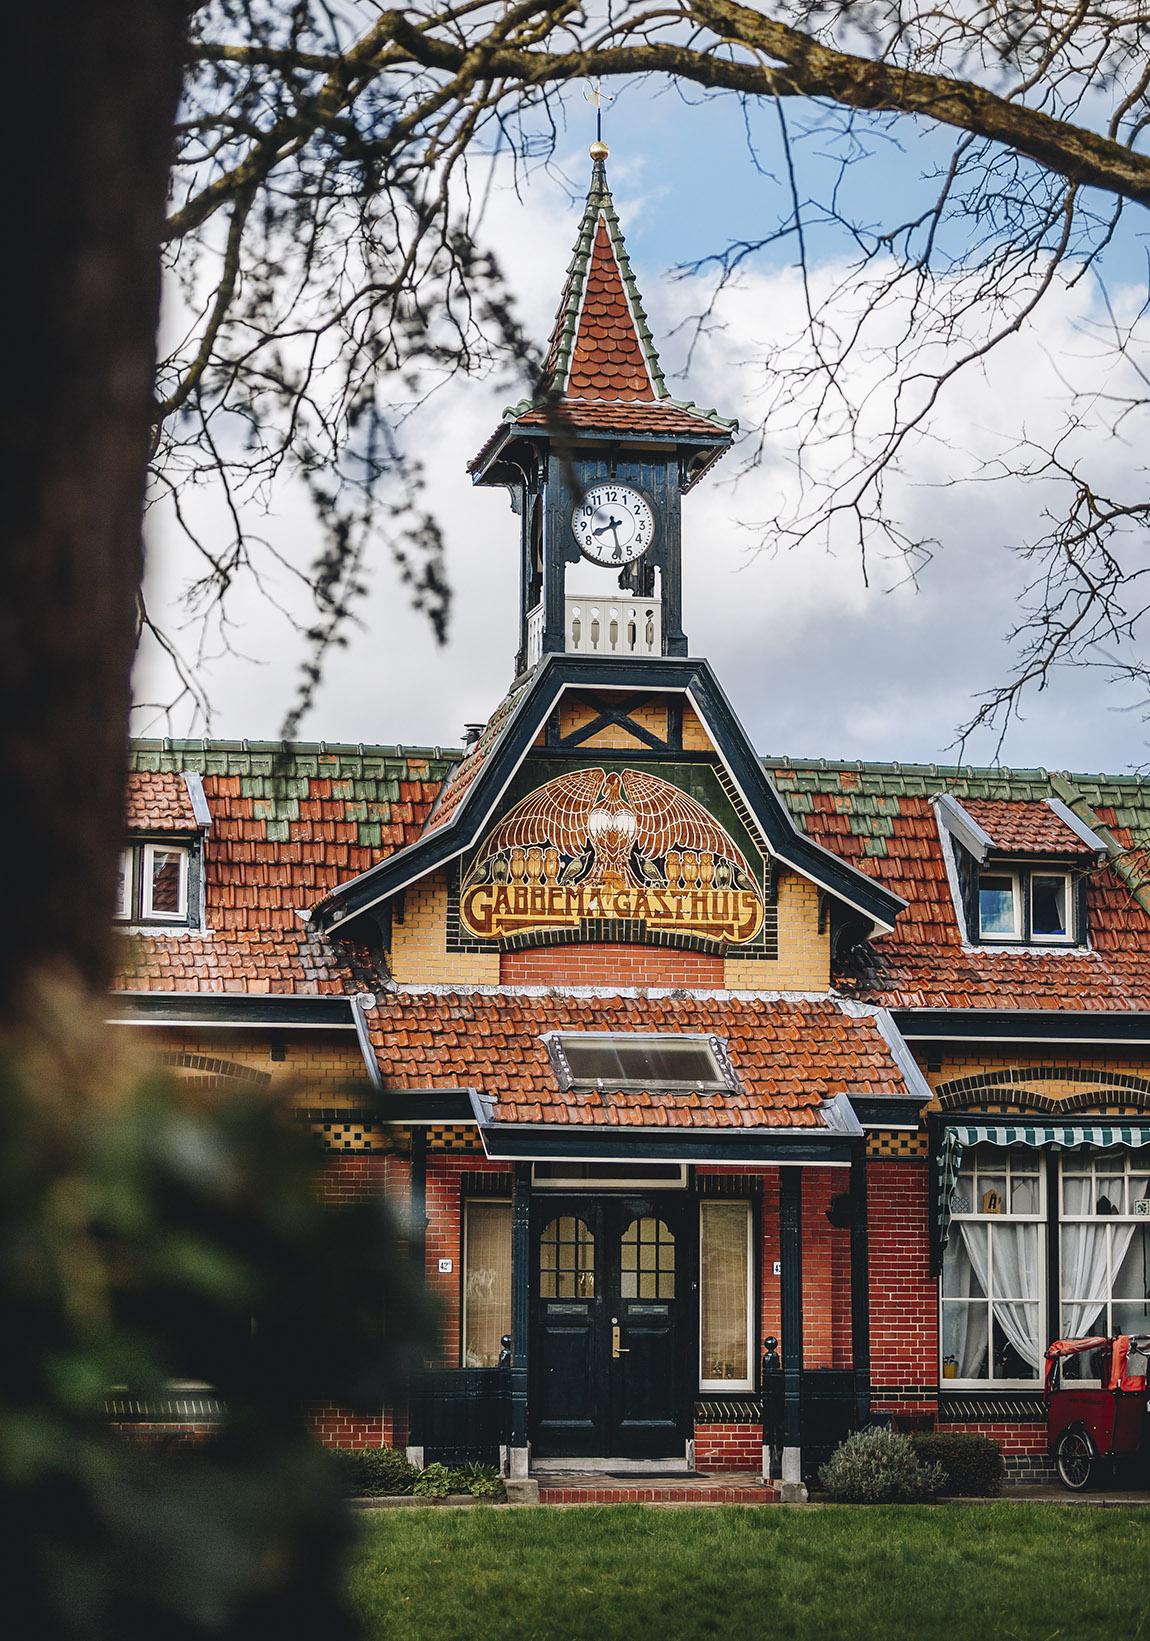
{"x":1098,"y":1408}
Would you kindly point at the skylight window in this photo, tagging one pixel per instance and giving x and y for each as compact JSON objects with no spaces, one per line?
{"x":602,"y":1059}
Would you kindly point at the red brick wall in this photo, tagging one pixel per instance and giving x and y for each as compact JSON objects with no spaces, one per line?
{"x":1023,"y":1439}
{"x":826,"y":1273}
{"x":340,"y":1427}
{"x":729,"y":1447}
{"x":609,"y":966}
{"x":350,"y":1176}
{"x":903,"y":1295}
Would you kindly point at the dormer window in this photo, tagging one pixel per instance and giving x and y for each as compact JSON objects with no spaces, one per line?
{"x":1017,"y":869}
{"x":154,"y":882}
{"x":640,"y":1060}
{"x":1027,"y":904}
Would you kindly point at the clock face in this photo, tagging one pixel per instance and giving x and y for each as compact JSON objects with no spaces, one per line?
{"x":614,"y":524}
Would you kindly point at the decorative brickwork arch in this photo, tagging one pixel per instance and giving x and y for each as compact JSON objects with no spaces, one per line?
{"x":1012,"y":1089}
{"x":209,"y":1074}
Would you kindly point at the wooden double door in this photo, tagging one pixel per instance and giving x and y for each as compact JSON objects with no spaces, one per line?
{"x":613,"y":1299}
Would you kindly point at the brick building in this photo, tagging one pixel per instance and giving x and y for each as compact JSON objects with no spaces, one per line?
{"x":669,"y":1049}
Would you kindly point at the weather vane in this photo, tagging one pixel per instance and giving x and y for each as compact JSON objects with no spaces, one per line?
{"x":596,"y":96}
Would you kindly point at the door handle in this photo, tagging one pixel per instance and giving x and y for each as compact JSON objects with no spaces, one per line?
{"x":616,"y":1349}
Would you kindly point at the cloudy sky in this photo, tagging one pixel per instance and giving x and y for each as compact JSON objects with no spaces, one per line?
{"x":816,"y":663}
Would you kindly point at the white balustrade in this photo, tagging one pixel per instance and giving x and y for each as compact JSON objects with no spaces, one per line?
{"x":603,"y":626}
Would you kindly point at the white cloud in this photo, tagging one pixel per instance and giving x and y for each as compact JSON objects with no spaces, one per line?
{"x":816,"y":663}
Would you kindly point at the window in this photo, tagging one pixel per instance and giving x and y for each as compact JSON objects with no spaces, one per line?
{"x":153,"y":885}
{"x":993,"y":1327}
{"x":647,"y":1260}
{"x":486,"y":1280}
{"x":599,"y":1059}
{"x":1104,"y":1244}
{"x":1024,"y":904}
{"x":566,"y":1260}
{"x":725,"y":1296}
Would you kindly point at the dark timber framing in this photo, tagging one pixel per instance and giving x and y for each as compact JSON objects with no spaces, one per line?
{"x":528,"y":718}
{"x":860,"y":1285}
{"x":791,"y":1315}
{"x":520,"y":1315}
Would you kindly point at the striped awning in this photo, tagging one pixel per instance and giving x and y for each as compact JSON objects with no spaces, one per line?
{"x":1102,"y":1136}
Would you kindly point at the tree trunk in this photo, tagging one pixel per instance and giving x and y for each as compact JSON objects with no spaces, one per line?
{"x":89,"y":107}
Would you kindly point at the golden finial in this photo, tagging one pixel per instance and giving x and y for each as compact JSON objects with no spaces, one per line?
{"x":599,"y":151}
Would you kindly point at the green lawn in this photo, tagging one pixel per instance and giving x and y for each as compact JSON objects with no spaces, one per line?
{"x":891,"y":1573}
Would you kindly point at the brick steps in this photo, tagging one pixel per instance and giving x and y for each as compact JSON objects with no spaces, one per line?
{"x":732,"y":1489}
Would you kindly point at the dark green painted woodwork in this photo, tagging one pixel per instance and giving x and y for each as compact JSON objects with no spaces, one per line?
{"x":585,"y":1401}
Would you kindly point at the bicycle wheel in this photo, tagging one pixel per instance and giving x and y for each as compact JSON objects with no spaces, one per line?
{"x":1074,"y":1457}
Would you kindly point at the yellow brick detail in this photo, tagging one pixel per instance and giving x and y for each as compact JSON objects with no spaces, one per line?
{"x":804,"y":961}
{"x":419,"y":954}
{"x":895,"y":1142}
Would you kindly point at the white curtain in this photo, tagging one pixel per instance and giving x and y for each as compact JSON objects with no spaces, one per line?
{"x":966,"y":1323}
{"x":1015,"y":1273}
{"x":1086,"y":1278}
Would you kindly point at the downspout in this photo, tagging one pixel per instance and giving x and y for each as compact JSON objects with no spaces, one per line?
{"x":1123,"y":860}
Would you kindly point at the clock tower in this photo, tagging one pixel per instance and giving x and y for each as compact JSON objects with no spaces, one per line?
{"x":596,"y":463}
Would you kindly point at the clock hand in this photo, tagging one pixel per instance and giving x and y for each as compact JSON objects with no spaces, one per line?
{"x":611,"y":524}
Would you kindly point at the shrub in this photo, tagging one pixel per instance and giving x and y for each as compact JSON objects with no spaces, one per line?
{"x":434,"y":1483}
{"x":369,"y":1472}
{"x":482,"y":1481}
{"x":972,"y":1464}
{"x":878,"y":1467}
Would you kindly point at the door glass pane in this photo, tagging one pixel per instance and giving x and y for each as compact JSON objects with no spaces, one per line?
{"x":486,"y":1281}
{"x":566,"y":1260}
{"x":647,"y":1261}
{"x":723,"y":1273}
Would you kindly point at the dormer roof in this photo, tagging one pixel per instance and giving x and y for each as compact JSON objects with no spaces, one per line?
{"x":602,"y":373}
{"x":1042,"y":828}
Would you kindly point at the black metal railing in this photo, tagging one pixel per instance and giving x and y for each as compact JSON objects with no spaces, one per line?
{"x":827,"y":1412}
{"x":460,"y":1415}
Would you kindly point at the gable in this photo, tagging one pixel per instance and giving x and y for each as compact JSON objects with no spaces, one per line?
{"x":690,"y":700}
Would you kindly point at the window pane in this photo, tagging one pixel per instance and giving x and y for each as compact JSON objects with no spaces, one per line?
{"x":647,"y":1260}
{"x":996,"y":905}
{"x":724,"y":1322}
{"x":964,"y":1335}
{"x":486,"y":1281}
{"x":641,"y":1059}
{"x":1077,"y":1194}
{"x":124,"y":885}
{"x":163,"y":889}
{"x":1024,"y":1194}
{"x":991,"y":1194}
{"x":1048,"y":903}
{"x":566,"y":1260}
{"x":1131,"y":1255}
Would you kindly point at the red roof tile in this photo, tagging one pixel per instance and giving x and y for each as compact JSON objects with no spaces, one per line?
{"x":618,"y":415}
{"x":789,"y":1056}
{"x":607,"y":360}
{"x":158,"y":801}
{"x":1025,"y":828}
{"x":892,"y":835}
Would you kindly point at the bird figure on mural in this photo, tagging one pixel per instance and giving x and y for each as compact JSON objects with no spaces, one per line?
{"x":612,"y":831}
